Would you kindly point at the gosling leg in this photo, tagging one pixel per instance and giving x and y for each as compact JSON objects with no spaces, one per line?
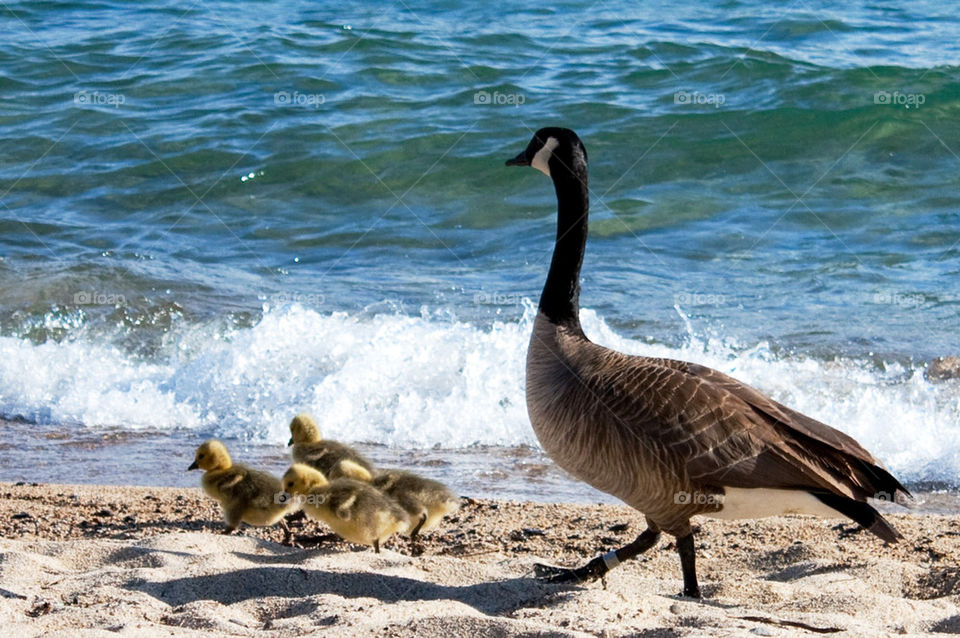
{"x":297,"y":517}
{"x":376,"y":545}
{"x":416,"y":547}
{"x":287,"y":534}
{"x":599,"y":565}
{"x":233,"y":519}
{"x":416,"y":530}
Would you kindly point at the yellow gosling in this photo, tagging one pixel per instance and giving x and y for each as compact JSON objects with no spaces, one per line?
{"x":426,"y":501}
{"x":246,"y":495}
{"x":320,"y":454}
{"x":355,"y":510}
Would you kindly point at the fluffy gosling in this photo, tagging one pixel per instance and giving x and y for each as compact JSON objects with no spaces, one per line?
{"x":426,"y":501}
{"x":319,"y":454}
{"x":355,"y":510}
{"x":246,"y":495}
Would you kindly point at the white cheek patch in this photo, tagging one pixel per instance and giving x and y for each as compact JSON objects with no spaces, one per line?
{"x":541,"y":161}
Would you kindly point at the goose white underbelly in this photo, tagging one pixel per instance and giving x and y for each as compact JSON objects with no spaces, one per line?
{"x":761,"y":502}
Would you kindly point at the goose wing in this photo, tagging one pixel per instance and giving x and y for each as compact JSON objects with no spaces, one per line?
{"x":805,"y":432}
{"x":780,"y":413}
{"x":725,"y":433}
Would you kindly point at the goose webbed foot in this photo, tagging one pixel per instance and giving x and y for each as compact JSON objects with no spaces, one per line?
{"x":691,"y":593}
{"x":600,"y":565}
{"x":566,"y":575}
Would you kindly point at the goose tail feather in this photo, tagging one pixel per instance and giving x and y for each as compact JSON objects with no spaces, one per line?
{"x":862,"y":513}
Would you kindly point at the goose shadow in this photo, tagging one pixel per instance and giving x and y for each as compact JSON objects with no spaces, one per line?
{"x":802,"y":570}
{"x":491,"y":598}
{"x":283,"y":555}
{"x":950,"y":625}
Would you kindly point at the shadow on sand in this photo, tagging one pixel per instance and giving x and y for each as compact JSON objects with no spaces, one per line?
{"x":492,"y":598}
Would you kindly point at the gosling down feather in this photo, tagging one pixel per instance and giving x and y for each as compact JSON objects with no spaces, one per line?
{"x":355,"y":510}
{"x":246,"y":495}
{"x":425,"y":500}
{"x":322,"y":455}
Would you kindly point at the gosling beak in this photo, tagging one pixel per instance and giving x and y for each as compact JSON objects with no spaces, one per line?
{"x":193,"y":466}
{"x":519,"y":160}
{"x":290,"y":442}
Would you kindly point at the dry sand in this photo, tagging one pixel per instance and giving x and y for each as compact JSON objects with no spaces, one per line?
{"x":94,"y":560}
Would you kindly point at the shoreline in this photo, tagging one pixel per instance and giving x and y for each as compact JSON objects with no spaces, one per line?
{"x":159,"y":459}
{"x":135,"y":559}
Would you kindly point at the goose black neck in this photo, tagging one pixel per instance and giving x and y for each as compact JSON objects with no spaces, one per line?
{"x":560,"y":301}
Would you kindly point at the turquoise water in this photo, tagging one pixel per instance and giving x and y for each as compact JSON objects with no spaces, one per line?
{"x":216,"y":214}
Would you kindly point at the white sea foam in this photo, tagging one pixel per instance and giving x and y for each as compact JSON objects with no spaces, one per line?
{"x":410,"y":382}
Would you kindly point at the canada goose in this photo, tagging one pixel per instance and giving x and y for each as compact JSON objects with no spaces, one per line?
{"x":246,"y":495}
{"x":355,"y":510}
{"x":426,"y":501}
{"x":319,"y":454}
{"x":669,"y":438}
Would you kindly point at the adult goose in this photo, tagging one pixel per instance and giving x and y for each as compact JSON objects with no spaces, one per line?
{"x":669,"y":438}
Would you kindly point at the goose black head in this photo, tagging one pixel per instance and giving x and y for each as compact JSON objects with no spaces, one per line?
{"x":553,"y":151}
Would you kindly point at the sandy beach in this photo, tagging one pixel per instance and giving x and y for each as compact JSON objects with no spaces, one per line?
{"x":96,"y":560}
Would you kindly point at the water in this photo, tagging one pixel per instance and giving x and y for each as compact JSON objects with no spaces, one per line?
{"x":216,"y":215}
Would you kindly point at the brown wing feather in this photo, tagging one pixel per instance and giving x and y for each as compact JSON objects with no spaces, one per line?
{"x":807,"y":435}
{"x":791,"y":418}
{"x":725,"y":433}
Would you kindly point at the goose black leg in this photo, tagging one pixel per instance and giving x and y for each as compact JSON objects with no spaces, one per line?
{"x":376,"y":545}
{"x":599,"y":565}
{"x":688,"y":566}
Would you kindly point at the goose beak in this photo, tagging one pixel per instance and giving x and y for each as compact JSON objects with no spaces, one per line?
{"x":519,"y":160}
{"x":290,"y":442}
{"x":193,"y":466}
